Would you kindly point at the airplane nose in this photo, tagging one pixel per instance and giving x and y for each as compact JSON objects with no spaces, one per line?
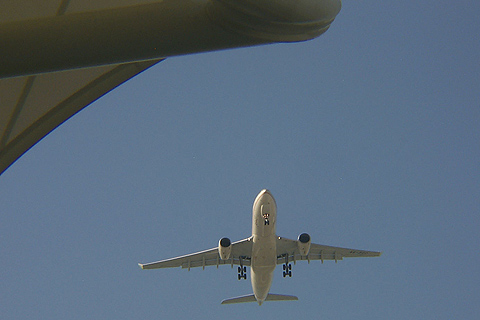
{"x":266,"y":192}
{"x":264,"y":196}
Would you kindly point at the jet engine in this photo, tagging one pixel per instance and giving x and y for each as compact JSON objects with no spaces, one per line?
{"x":303,"y":243}
{"x":224,"y":248}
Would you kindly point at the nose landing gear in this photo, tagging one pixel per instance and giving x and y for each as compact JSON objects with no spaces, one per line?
{"x":265,"y":218}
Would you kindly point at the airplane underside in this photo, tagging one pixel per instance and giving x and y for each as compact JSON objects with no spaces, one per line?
{"x":262,"y":251}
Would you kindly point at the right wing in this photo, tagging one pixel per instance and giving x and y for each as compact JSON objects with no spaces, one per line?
{"x":287,"y":249}
{"x":241,"y":255}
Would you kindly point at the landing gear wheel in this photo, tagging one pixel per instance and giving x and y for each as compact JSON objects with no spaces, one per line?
{"x":242,"y":272}
{"x":287,"y":270}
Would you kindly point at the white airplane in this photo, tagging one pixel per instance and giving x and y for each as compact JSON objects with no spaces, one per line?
{"x":261,"y":252}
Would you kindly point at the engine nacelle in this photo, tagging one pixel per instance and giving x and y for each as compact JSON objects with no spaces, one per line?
{"x":224,"y":248}
{"x":303,"y":243}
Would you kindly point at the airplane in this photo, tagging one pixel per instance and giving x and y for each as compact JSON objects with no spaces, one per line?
{"x":262,"y":252}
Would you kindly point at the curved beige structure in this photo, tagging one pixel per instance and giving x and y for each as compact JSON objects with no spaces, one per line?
{"x":59,"y":56}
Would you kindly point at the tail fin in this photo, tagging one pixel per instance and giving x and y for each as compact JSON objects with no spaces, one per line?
{"x":251,"y":298}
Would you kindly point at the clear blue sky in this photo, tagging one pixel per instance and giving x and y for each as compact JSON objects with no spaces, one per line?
{"x":368,"y":137}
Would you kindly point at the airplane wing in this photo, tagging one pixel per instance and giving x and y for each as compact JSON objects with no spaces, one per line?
{"x":287,"y":249}
{"x":241,"y":250}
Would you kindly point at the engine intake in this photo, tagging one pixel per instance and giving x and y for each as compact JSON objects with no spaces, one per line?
{"x":303,"y":243}
{"x":224,"y":248}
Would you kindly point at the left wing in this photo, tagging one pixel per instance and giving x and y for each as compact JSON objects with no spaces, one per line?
{"x":241,"y":255}
{"x":288,"y":250}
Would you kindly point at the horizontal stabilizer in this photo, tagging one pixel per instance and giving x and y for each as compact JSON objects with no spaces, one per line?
{"x":251,"y":298}
{"x":280,"y":297}
{"x":241,"y":299}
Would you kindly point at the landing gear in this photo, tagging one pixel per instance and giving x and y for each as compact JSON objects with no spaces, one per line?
{"x":265,"y":218}
{"x":242,"y":271}
{"x":287,"y":268}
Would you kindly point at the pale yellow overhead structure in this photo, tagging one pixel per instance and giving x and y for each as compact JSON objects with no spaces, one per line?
{"x":58,"y":56}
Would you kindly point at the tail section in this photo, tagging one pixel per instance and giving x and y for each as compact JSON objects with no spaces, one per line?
{"x":280,"y":297}
{"x":251,"y":298}
{"x":241,"y":299}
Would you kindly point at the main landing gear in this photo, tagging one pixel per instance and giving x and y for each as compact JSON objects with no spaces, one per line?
{"x":287,"y":268}
{"x":242,"y":271}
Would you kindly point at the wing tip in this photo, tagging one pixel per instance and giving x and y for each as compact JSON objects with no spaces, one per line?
{"x":141,"y":266}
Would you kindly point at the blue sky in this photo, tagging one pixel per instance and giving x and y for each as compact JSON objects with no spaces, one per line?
{"x":368,"y":137}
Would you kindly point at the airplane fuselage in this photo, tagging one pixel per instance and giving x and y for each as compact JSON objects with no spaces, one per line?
{"x":264,"y":258}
